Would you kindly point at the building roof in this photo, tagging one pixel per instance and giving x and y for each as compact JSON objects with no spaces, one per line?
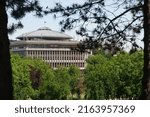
{"x":45,"y":33}
{"x":45,"y":42}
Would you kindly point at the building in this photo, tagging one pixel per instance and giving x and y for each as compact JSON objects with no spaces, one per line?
{"x":53,"y":47}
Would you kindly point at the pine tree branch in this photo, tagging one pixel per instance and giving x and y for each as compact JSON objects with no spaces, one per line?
{"x":110,"y":22}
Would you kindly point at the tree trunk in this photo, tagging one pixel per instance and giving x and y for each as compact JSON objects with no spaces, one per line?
{"x":6,"y":89}
{"x":145,"y":95}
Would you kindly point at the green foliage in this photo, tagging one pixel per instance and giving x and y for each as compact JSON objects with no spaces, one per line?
{"x":131,"y":73}
{"x":25,"y":77}
{"x":34,"y":79}
{"x":117,"y":77}
{"x":22,"y":83}
{"x":63,"y":80}
{"x":46,"y":77}
{"x":58,"y":87}
{"x":74,"y":74}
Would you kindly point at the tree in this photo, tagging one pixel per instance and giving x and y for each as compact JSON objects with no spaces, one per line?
{"x":74,"y":74}
{"x":108,"y":29}
{"x":5,"y":66}
{"x":102,"y":25}
{"x":94,"y":77}
{"x":22,"y":84}
{"x":118,"y":77}
{"x":32,"y":78}
{"x":62,"y":83}
{"x":43,"y":79}
{"x":146,"y":78}
{"x":17,"y":10}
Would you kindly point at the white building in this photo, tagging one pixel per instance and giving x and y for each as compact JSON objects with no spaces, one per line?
{"x":51,"y":46}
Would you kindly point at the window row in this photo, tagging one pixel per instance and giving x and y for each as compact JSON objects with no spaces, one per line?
{"x":57,"y":55}
{"x":56,"y":65}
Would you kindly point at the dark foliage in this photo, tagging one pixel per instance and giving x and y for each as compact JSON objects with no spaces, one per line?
{"x":19,"y":8}
{"x":103,"y":22}
{"x":35,"y":76}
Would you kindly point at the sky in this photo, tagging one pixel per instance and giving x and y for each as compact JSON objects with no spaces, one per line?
{"x":32,"y":23}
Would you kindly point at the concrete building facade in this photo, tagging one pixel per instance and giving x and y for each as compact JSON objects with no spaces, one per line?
{"x":53,"y":47}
